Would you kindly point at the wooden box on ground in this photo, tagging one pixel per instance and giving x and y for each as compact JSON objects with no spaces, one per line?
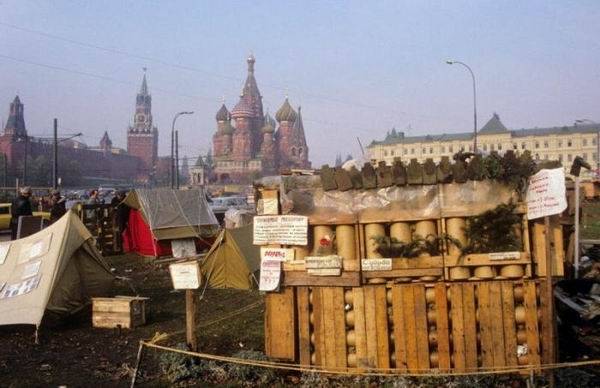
{"x":413,"y":328}
{"x":122,"y":311}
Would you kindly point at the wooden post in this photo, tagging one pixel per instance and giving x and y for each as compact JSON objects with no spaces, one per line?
{"x":551,"y":341}
{"x":190,"y":320}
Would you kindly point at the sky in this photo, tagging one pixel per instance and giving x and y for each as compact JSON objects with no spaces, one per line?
{"x":357,"y":68}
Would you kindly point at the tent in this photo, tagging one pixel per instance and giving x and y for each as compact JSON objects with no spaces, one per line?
{"x":56,"y":270}
{"x":233,"y":260}
{"x":160,"y":215}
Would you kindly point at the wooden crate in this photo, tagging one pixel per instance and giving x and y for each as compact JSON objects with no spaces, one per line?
{"x":413,"y":328}
{"x":121,"y":311}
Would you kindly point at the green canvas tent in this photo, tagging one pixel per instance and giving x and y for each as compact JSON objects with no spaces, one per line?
{"x":233,"y":260}
{"x":56,"y":270}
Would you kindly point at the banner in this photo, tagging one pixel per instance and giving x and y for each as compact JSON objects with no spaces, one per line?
{"x":286,"y":230}
{"x":546,"y":194}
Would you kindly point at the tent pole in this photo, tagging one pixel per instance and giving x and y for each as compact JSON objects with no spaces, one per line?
{"x":37,"y":337}
{"x":138,"y":362}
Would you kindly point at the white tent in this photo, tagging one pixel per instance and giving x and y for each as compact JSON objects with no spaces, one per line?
{"x":56,"y":270}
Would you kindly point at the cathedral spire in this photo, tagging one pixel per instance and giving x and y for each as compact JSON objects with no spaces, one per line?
{"x":251,"y":61}
{"x":15,"y":125}
{"x":144,"y":87}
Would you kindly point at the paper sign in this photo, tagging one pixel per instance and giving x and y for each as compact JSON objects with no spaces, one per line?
{"x":270,"y":274}
{"x":182,"y":248}
{"x":376,"y":264}
{"x":4,"y":248}
{"x":31,"y":269}
{"x":22,"y":288}
{"x":316,"y":262}
{"x":504,"y":255}
{"x":34,"y":249}
{"x":325,"y":271}
{"x":546,"y":194}
{"x":283,"y":254}
{"x":185,"y":276}
{"x":288,"y":230}
{"x":267,"y":206}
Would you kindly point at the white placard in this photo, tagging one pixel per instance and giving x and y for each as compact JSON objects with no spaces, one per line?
{"x":24,"y":287}
{"x":34,"y":249}
{"x":31,"y":269}
{"x":319,"y":262}
{"x":504,"y":255}
{"x":185,"y":276}
{"x":376,"y":264}
{"x":184,"y":247}
{"x":282,"y":254}
{"x":270,"y":274}
{"x":546,"y":193}
{"x":4,"y":248}
{"x":267,"y":206}
{"x":288,"y":230}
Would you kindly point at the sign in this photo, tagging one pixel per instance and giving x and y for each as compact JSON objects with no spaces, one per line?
{"x":286,"y":230}
{"x":185,"y":276}
{"x":282,"y":254}
{"x":270,"y":274}
{"x":376,"y":264}
{"x":184,"y":247}
{"x":546,"y":194}
{"x":267,"y":206}
{"x":31,"y":270}
{"x":22,"y":288}
{"x":323,"y":265}
{"x":504,"y":255}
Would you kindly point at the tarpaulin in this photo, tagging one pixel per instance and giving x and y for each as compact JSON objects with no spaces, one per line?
{"x":138,"y":237}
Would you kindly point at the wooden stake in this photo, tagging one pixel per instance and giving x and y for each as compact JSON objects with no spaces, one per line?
{"x":190,"y":320}
{"x":551,"y":341}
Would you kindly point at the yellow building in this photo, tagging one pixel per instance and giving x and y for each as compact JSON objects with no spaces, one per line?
{"x":556,"y":143}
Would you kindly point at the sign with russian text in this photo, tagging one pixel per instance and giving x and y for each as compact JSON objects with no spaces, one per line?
{"x":270,"y":274}
{"x":283,"y":254}
{"x":185,"y":276}
{"x":376,"y":264}
{"x":286,"y":230}
{"x":546,"y":193}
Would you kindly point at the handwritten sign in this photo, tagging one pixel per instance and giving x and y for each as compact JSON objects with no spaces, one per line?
{"x":184,"y":247}
{"x":270,"y":274}
{"x":185,"y":276}
{"x":376,"y":264}
{"x":22,"y":288}
{"x":288,"y":230}
{"x":267,"y":206}
{"x":504,"y":256}
{"x":323,"y":265}
{"x":283,"y":254}
{"x":546,"y":194}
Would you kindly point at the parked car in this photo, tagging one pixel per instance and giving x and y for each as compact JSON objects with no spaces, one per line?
{"x":6,"y":215}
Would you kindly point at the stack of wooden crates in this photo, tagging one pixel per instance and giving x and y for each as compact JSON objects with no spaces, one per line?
{"x":449,"y":313}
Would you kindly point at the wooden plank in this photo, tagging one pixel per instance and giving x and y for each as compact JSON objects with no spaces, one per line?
{"x":470,"y":325}
{"x":478,"y":259}
{"x":346,"y":279}
{"x":381,"y":320}
{"x":302,"y":312}
{"x":412,"y":360}
{"x":418,"y":262}
{"x":280,"y":324}
{"x":370,"y":325}
{"x":318,"y":322}
{"x":398,"y":273}
{"x":509,"y":323}
{"x":458,"y":331}
{"x":531,"y":323}
{"x":539,"y":247}
{"x":339,"y":319}
{"x":546,"y":329}
{"x":497,"y":324}
{"x":400,"y":332}
{"x":329,"y":327}
{"x":443,"y":338}
{"x":360,"y":329}
{"x":485,"y":324}
{"x":422,"y":333}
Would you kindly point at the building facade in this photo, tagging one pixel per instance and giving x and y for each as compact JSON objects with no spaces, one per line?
{"x":255,"y":144}
{"x":94,"y":164}
{"x":142,"y":136}
{"x":556,"y":143}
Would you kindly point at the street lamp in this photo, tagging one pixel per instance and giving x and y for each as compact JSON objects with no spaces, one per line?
{"x":173,"y":146}
{"x":582,"y":121}
{"x":452,"y":62}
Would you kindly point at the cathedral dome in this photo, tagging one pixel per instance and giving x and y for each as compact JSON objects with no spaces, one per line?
{"x":267,"y":128}
{"x":242,"y":109}
{"x":223,"y":114}
{"x":286,"y":112}
{"x":228,"y":128}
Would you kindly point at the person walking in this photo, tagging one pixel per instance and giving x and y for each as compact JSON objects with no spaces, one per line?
{"x":21,"y":206}
{"x":58,"y":206}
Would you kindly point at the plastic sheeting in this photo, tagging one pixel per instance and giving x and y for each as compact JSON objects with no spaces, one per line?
{"x":174,"y":214}
{"x":304,"y":196}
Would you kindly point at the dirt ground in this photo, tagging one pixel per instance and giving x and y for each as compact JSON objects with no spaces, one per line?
{"x":75,"y":354}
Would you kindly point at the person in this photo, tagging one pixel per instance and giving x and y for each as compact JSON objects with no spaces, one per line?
{"x":21,"y":206}
{"x":58,"y":206}
{"x":92,"y":200}
{"x":121,"y":214}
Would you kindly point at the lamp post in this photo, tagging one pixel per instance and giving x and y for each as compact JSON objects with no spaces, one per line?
{"x":452,"y":62}
{"x":55,"y":142}
{"x":582,"y":121}
{"x":172,"y":169}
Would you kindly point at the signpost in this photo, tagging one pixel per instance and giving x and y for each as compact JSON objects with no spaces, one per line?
{"x":187,"y":276}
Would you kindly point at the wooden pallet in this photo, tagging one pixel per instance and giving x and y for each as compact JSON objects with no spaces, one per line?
{"x":413,"y":328}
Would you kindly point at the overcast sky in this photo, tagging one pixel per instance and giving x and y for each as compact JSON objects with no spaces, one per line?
{"x":357,"y":68}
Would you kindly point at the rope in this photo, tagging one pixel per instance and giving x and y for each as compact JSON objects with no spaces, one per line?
{"x":372,"y":371}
